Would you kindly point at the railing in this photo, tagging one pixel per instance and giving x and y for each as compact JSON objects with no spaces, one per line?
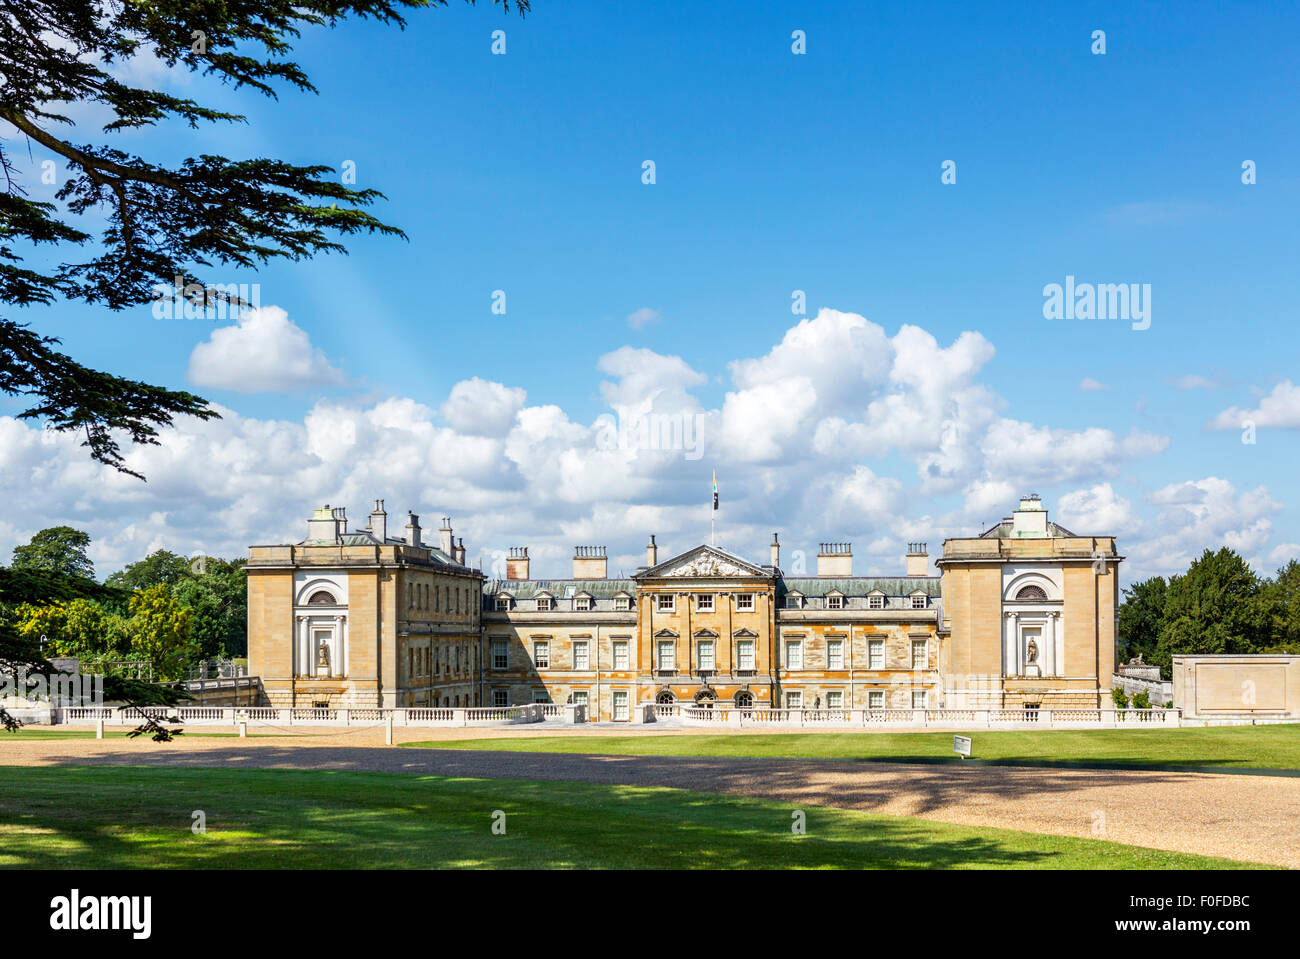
{"x":922,"y":718}
{"x":273,"y":717}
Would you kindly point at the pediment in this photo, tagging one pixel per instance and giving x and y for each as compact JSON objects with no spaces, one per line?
{"x":703,"y":562}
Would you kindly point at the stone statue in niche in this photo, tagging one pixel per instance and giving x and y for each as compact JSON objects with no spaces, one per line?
{"x":323,"y":656}
{"x":1031,"y":652}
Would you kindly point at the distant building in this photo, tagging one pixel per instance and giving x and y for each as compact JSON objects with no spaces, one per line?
{"x":1023,"y":616}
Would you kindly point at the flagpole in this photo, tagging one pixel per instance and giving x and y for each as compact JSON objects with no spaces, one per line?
{"x":713,"y":513}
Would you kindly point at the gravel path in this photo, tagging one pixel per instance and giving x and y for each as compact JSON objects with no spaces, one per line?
{"x":1246,"y":817}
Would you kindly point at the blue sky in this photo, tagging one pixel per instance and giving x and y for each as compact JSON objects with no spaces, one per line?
{"x":775,"y":172}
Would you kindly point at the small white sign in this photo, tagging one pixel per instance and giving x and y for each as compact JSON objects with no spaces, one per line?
{"x":961,"y":745}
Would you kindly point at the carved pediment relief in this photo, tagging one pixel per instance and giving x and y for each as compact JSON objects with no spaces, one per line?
{"x":705,"y":562}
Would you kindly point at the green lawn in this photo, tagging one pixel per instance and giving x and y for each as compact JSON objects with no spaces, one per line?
{"x":1220,"y":748}
{"x":131,"y":817}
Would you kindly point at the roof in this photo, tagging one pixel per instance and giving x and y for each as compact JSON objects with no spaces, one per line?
{"x":1003,"y":530}
{"x":559,"y":588}
{"x":862,"y":585}
{"x":363,"y":537}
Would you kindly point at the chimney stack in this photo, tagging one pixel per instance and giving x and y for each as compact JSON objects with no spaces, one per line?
{"x":379,"y":521}
{"x":1030,"y":520}
{"x":413,"y":530}
{"x":918,"y":560}
{"x":517,"y":563}
{"x":776,"y":552}
{"x":460,"y":551}
{"x":446,"y":543}
{"x":323,"y":527}
{"x":589,"y":562}
{"x":835,"y":559}
{"x":651,"y":553}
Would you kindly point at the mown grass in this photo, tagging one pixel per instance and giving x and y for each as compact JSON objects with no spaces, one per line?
{"x":1223,"y":749}
{"x":135,"y":818}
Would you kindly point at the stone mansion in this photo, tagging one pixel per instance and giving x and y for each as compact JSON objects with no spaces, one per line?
{"x":1020,"y":616}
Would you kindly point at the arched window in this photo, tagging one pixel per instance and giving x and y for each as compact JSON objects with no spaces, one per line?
{"x":744,"y":700}
{"x":665,"y":698}
{"x":322,"y":597}
{"x":1030,"y":593}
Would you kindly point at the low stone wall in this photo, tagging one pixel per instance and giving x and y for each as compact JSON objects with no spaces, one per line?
{"x":271,"y":717}
{"x":839,"y":719}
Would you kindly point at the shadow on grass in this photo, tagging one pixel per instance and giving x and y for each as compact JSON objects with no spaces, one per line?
{"x":130,"y":817}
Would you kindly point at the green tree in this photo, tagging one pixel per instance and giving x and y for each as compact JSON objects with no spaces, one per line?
{"x":163,"y":220}
{"x":59,"y":549}
{"x":78,"y":627}
{"x":1281,"y":598}
{"x":160,"y":631}
{"x":218,"y":600}
{"x":1215,"y":607}
{"x":1139,"y":618}
{"x":160,"y":566}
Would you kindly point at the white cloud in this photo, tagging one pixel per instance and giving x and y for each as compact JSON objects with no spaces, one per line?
{"x":1097,"y":510}
{"x":264,"y":352}
{"x":1280,"y":408}
{"x":640,"y":319}
{"x":1089,"y":385}
{"x":482,"y":407}
{"x":839,"y":432}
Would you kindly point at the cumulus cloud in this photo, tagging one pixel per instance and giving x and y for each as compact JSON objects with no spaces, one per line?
{"x":263,"y":352}
{"x":1089,"y":385}
{"x":482,"y":407}
{"x":1280,"y":409}
{"x":839,"y":432}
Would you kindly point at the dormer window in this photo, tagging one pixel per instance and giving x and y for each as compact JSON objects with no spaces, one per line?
{"x":918,"y":602}
{"x":834,"y":601}
{"x":876,"y":602}
{"x":793,"y":601}
{"x":622,"y":603}
{"x":544,"y":604}
{"x":503,"y":604}
{"x":582,"y":604}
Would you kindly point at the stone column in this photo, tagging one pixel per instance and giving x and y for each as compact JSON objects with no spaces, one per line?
{"x":1058,"y":640}
{"x":301,"y":640}
{"x":1050,"y":666}
{"x":1012,"y":642}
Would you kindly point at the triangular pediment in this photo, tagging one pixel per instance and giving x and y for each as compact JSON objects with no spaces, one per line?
{"x":703,"y":562}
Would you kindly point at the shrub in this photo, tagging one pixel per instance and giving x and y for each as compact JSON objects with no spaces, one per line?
{"x":1121,"y":700}
{"x":1142,"y":700}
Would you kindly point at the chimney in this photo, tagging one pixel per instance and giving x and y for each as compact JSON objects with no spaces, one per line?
{"x":460,"y":551}
{"x":446,"y":543}
{"x":340,"y":520}
{"x":835,"y":559}
{"x":589,"y":562}
{"x":323,"y":527}
{"x":651,"y":553}
{"x":1030,"y":520}
{"x":776,"y":552}
{"x":379,"y":521}
{"x":517,"y":563}
{"x":918,"y":560}
{"x":413,"y":530}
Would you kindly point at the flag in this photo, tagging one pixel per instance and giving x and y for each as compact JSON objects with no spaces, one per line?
{"x":715,"y":489}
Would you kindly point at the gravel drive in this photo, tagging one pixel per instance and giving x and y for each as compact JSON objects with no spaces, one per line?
{"x":1246,"y":817}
